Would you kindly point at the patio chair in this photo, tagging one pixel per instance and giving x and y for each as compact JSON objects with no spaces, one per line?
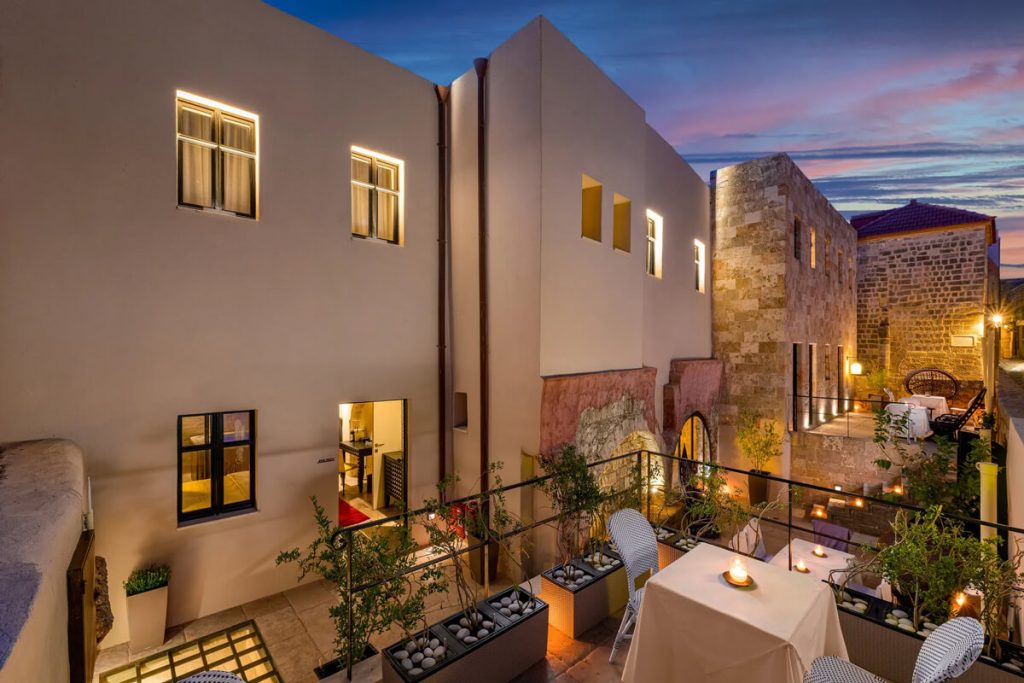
{"x":749,"y":541}
{"x":950,"y":424}
{"x":638,"y":547}
{"x":932,"y":382}
{"x":946,"y":654}
{"x":214,"y":677}
{"x":831,"y":535}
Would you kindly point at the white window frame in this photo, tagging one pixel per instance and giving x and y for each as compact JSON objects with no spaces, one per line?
{"x":374,"y":158}
{"x":654,"y":243}
{"x":699,"y":265}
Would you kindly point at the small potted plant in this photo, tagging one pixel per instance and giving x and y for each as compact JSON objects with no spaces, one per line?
{"x":760,"y":442}
{"x":147,"y":606}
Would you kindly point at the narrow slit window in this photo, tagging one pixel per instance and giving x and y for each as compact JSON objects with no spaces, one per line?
{"x":698,"y":265}
{"x":813,"y":248}
{"x":376,"y":196}
{"x":796,"y":238}
{"x":654,"y":238}
{"x":217,"y":156}
{"x":591,"y":221}
{"x":621,"y":222}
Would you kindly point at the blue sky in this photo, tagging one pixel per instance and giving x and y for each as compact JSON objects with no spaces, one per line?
{"x":879,"y":101}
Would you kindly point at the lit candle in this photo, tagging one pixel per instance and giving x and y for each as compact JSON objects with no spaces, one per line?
{"x":858,"y":502}
{"x":738,"y":571}
{"x":959,"y":601}
{"x":819,"y":551}
{"x":800,"y":566}
{"x":898,"y":489}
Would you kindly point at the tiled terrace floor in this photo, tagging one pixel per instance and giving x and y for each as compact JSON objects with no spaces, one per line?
{"x":299,"y":635}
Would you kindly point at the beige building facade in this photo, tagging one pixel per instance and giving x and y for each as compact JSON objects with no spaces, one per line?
{"x":299,"y":269}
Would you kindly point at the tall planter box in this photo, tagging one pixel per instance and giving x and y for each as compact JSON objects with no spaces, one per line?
{"x":147,"y":619}
{"x":574,"y":612}
{"x":513,"y":647}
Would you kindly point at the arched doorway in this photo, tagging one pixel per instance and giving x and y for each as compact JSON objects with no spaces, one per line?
{"x":694,"y":444}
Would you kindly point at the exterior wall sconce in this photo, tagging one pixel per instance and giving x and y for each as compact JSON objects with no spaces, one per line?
{"x":856,"y":369}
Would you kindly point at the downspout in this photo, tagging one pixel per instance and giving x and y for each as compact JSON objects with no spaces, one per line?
{"x":480,"y":64}
{"x":442,"y":280}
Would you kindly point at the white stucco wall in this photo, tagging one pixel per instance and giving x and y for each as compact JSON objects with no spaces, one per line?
{"x":119,"y":311}
{"x":677,"y":317}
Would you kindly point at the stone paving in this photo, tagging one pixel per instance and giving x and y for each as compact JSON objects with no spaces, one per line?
{"x":299,"y":633}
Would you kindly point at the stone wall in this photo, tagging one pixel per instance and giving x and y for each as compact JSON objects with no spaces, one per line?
{"x":768,"y":298}
{"x":917,"y":291}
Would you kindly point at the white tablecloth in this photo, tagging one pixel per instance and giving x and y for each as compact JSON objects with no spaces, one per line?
{"x":819,"y":566}
{"x":693,"y":627}
{"x":918,"y":425}
{"x":936,"y":404}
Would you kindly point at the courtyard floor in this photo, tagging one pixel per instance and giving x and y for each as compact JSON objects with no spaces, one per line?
{"x":299,"y":634}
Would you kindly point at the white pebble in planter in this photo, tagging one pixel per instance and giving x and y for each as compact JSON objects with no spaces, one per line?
{"x":419,"y":656}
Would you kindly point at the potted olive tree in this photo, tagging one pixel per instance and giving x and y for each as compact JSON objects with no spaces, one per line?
{"x":147,"y":606}
{"x":760,"y":442}
{"x":383,"y":562}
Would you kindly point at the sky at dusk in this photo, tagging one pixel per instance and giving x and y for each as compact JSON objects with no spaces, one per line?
{"x":878,"y":101}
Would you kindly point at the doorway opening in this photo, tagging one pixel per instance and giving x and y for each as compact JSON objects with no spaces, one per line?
{"x":373,"y":466}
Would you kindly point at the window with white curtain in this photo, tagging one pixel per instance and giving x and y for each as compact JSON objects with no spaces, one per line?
{"x":217,"y":156}
{"x":376,"y":196}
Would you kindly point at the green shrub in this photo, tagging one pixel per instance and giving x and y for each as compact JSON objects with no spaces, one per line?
{"x":147,"y":579}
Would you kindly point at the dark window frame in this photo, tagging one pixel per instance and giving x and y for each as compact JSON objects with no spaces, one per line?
{"x":374,"y":188}
{"x":219,"y":149}
{"x":216,"y":445}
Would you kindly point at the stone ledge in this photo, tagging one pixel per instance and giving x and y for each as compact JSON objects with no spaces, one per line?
{"x":40,"y":523}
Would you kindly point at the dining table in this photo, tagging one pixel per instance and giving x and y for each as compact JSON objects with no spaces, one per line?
{"x":936,"y":405}
{"x":818,"y":568}
{"x":694,"y":626}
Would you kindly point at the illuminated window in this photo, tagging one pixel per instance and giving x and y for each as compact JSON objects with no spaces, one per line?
{"x":591,"y":222}
{"x":654,"y":232}
{"x":698,"y":264}
{"x":217,"y":158}
{"x":216,"y":464}
{"x":621,"y":223}
{"x":376,"y":196}
{"x":814,"y":250}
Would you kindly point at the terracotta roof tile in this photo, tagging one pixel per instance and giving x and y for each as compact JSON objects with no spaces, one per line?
{"x":914,"y":216}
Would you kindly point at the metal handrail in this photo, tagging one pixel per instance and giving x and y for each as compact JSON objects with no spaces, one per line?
{"x":639,"y":455}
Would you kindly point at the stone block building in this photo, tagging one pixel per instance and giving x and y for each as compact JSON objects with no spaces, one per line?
{"x":783,"y":305}
{"x":925,"y":274}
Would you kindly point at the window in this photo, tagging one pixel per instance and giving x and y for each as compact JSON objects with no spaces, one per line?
{"x":460,"y":417}
{"x":698,"y":264}
{"x":840,"y":271}
{"x":376,"y":196}
{"x":814,"y":248}
{"x":591,"y":224}
{"x":654,"y":231}
{"x":216,"y":464}
{"x":796,"y":238}
{"x":620,"y":222}
{"x":828,"y":255}
{"x":217,"y":157}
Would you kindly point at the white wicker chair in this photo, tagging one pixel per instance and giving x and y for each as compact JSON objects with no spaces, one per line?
{"x":946,"y":654}
{"x":214,"y":677}
{"x":638,"y":547}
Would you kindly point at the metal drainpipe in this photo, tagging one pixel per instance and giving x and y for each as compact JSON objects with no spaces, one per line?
{"x":480,"y":64}
{"x":442,"y":279}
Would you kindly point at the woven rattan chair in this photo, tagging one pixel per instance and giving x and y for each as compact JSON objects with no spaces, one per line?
{"x":214,"y":677}
{"x":946,"y":654}
{"x":638,"y":547}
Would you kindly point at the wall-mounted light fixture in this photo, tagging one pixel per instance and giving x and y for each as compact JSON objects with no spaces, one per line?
{"x":856,"y":368}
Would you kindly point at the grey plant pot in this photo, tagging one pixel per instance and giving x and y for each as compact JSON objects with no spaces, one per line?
{"x":500,"y":658}
{"x":576,"y":612}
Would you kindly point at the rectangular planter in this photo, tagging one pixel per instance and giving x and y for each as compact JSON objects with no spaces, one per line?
{"x":890,"y":653}
{"x":147,"y":619}
{"x":515,"y":645}
{"x":574,"y":612}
